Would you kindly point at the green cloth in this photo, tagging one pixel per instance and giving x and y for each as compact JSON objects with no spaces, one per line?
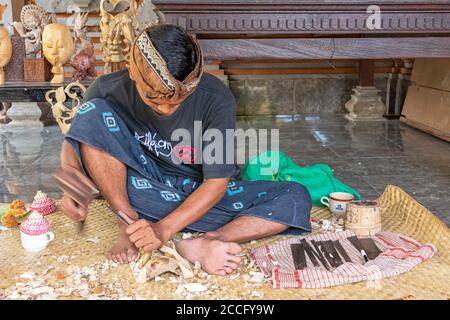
{"x":318,"y":178}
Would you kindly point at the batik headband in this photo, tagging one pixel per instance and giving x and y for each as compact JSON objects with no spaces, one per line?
{"x":155,"y":83}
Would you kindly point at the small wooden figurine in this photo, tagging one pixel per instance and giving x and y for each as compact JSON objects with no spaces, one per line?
{"x":80,"y":30}
{"x":33,"y":20}
{"x":83,"y":61}
{"x":58,"y":48}
{"x":5,"y":47}
{"x":118,"y":25}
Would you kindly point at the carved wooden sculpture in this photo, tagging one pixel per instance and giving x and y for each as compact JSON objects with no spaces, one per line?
{"x":57,"y":99}
{"x":58,"y":48}
{"x":118,"y":25}
{"x":83,"y":61}
{"x":84,"y":65}
{"x":80,"y":30}
{"x":33,"y":20}
{"x":157,"y":262}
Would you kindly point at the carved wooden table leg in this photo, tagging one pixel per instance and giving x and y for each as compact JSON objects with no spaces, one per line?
{"x":24,"y":114}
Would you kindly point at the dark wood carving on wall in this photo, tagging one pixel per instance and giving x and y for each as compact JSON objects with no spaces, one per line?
{"x":310,"y":23}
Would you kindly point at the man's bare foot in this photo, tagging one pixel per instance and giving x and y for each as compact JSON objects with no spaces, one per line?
{"x":216,"y":257}
{"x":123,"y":251}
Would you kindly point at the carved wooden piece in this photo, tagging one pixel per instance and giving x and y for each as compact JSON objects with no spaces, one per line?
{"x":33,"y":19}
{"x":335,"y":23}
{"x":157,"y":262}
{"x":58,"y":100}
{"x":80,"y":30}
{"x":118,"y":26}
{"x":206,"y":17}
{"x":58,"y":48}
{"x":83,"y":63}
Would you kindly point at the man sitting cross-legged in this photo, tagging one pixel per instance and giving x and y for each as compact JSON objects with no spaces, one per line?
{"x":122,"y":138}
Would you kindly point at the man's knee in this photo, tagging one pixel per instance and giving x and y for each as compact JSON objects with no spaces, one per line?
{"x":302,"y":202}
{"x":303,"y":194}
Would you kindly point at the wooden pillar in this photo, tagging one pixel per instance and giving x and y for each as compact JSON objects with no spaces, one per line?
{"x":366,"y":70}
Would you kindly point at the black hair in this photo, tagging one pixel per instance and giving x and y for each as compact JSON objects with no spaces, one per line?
{"x":176,"y":48}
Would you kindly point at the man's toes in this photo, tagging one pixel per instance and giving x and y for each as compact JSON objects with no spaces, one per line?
{"x":131,"y":255}
{"x":232,"y":265}
{"x":234,"y":258}
{"x":119,"y":258}
{"x":228,"y":270}
{"x":124,"y":257}
{"x":112,"y":257}
{"x":234,"y":248}
{"x":221,"y":272}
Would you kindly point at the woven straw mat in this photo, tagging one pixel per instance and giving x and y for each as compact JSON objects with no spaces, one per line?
{"x":71,"y":249}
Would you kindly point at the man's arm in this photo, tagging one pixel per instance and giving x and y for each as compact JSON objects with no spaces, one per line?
{"x":151,"y":236}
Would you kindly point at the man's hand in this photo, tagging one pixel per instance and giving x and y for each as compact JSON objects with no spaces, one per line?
{"x":146,"y":235}
{"x":72,"y":210}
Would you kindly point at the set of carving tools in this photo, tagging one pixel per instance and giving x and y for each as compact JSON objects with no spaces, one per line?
{"x":331,"y":254}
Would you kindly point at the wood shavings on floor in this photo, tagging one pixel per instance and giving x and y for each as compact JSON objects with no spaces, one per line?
{"x":75,"y":282}
{"x":93,"y":240}
{"x":328,"y":225}
{"x":91,"y":282}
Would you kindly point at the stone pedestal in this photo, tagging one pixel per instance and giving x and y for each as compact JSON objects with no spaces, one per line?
{"x":24,"y":114}
{"x":365,"y":105}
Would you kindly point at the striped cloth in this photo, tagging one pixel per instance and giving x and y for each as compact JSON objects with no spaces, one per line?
{"x":399,"y":254}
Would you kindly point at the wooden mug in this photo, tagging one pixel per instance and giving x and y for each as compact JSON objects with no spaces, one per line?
{"x":363,"y":218}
